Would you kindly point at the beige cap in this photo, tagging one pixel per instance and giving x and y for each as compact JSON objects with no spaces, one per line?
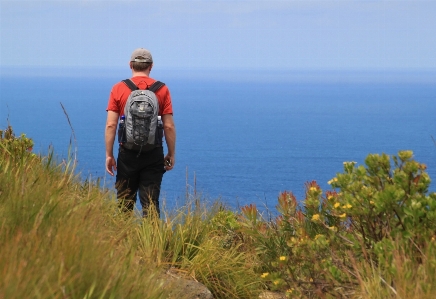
{"x":141,"y":55}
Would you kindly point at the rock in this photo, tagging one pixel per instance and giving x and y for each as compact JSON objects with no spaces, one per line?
{"x":185,"y":288}
{"x":271,"y":295}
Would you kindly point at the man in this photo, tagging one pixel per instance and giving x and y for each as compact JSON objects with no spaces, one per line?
{"x":139,"y":172}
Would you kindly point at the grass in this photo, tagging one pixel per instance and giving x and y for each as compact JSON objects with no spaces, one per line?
{"x":61,"y":237}
{"x":401,"y":277}
{"x":189,"y":241}
{"x":65,"y":238}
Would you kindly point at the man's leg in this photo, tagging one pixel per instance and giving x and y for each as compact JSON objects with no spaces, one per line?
{"x":127,"y":179}
{"x":150,"y":180}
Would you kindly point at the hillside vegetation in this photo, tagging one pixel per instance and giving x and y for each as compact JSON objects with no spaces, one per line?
{"x":371,"y":236}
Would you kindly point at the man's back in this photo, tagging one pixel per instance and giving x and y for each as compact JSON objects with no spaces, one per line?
{"x":120,"y":92}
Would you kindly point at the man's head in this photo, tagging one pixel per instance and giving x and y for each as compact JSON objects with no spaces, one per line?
{"x":141,"y":60}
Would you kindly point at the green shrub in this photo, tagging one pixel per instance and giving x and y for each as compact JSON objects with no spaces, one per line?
{"x":311,"y":250}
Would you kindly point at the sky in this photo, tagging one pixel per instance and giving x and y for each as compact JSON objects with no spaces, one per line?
{"x":269,"y":34}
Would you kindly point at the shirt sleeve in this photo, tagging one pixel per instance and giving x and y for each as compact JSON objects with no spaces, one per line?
{"x":167,"y":107}
{"x":113,"y":103}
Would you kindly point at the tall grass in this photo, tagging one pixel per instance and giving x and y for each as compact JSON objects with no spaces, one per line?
{"x":190,"y":242}
{"x":400,"y":276}
{"x":65,"y":238}
{"x":62,"y":238}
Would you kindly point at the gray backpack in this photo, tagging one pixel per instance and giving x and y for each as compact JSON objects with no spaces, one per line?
{"x":140,"y":130}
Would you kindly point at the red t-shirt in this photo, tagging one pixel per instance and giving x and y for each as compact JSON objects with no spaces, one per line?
{"x":120,"y":92}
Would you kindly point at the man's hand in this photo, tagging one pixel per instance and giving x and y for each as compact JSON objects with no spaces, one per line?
{"x":169,"y":162}
{"x":170,"y":138}
{"x":109,"y":137}
{"x":111,"y":165}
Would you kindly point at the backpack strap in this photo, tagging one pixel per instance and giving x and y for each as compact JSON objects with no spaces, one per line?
{"x":130,"y":84}
{"x":153,"y":87}
{"x":156,"y":86}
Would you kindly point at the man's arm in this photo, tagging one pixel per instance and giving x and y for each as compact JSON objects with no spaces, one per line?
{"x":170,"y":138}
{"x":110,"y":132}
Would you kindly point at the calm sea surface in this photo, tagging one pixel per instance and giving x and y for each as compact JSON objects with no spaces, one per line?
{"x":245,"y":138}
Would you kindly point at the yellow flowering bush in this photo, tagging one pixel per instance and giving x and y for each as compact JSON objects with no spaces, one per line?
{"x":308,"y":247}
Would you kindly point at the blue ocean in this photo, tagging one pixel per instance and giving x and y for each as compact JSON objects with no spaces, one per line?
{"x":242,"y":136}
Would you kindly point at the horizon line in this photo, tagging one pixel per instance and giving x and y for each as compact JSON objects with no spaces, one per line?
{"x":283,"y":75}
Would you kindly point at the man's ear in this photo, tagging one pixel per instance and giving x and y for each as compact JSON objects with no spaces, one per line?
{"x":130,"y":65}
{"x":151,"y":66}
